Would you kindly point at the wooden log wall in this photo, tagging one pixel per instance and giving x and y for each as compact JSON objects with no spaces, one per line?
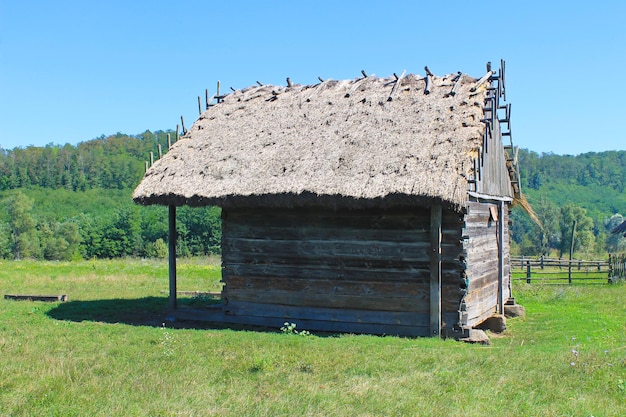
{"x":481,"y":237}
{"x":354,"y":271}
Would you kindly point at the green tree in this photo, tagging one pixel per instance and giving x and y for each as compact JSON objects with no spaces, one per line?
{"x":615,"y":242}
{"x":24,"y":241}
{"x":5,"y":241}
{"x":122,"y":236}
{"x":60,"y":241}
{"x":548,"y":233}
{"x":584,"y":238}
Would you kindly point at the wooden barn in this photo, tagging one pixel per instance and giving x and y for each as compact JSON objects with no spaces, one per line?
{"x":373,"y":205}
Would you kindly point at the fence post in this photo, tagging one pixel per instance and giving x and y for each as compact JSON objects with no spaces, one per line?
{"x":527,"y":272}
{"x":542,"y":259}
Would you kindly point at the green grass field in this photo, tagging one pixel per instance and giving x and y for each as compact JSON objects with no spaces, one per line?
{"x":105,"y":352}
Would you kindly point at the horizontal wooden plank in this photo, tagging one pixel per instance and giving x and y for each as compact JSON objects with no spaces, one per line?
{"x":328,"y":249}
{"x":309,"y":299}
{"x":242,"y":230}
{"x":336,"y":320}
{"x":287,"y":312}
{"x":329,"y":223}
{"x":370,"y":297}
{"x":329,"y":287}
{"x":451,"y":273}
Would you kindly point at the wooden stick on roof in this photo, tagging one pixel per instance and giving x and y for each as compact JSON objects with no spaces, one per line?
{"x":483,"y":80}
{"x":429,"y":76}
{"x":456,"y":83}
{"x":395,"y":86}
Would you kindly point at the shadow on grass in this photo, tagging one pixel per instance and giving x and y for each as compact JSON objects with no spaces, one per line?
{"x":147,"y":311}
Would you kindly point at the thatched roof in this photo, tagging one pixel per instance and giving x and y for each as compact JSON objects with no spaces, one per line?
{"x":360,"y":142}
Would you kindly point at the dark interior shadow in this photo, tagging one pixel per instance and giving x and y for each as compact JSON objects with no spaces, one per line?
{"x":147,"y":311}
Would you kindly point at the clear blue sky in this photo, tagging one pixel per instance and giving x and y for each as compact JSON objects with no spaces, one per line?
{"x":71,"y":71}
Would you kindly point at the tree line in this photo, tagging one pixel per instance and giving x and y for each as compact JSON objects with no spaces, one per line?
{"x":108,"y":162}
{"x":562,"y":189}
{"x":127,"y":230}
{"x":74,"y":202}
{"x":70,"y":202}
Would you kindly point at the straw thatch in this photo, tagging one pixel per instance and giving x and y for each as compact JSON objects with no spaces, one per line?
{"x":360,"y":142}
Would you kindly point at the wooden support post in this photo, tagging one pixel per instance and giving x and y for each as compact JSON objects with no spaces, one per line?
{"x":527,"y":272}
{"x":435,"y":270}
{"x":571,"y":254}
{"x":169,"y":141}
{"x":501,"y":257}
{"x":172,"y":256}
{"x":151,"y":158}
{"x":160,"y":150}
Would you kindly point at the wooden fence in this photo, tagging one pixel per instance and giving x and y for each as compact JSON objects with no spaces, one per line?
{"x":559,"y":269}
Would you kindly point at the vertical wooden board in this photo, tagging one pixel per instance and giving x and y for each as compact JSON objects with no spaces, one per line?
{"x":488,"y":257}
{"x":501,"y":240}
{"x":435,"y":271}
{"x":172,"y":256}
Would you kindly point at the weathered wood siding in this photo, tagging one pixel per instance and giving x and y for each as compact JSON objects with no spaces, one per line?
{"x":482,"y":247}
{"x":493,"y":176}
{"x":347,"y":270}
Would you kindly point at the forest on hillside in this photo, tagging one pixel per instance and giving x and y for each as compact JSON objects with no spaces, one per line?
{"x":587,"y":188}
{"x":70,"y":202}
{"x":74,"y":202}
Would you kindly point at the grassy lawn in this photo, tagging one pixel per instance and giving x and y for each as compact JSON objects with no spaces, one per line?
{"x":105,"y":352}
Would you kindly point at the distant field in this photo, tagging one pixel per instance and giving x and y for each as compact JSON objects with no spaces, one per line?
{"x":106,"y":352}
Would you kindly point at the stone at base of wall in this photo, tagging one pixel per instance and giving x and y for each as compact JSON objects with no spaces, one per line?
{"x":476,"y":336}
{"x":514,"y":310}
{"x":495,"y":324}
